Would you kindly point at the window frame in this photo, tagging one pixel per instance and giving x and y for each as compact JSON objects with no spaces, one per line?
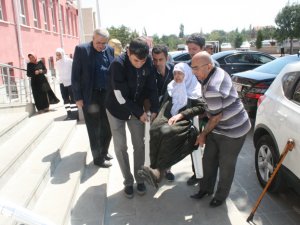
{"x":53,"y":14}
{"x":45,"y":12}
{"x":36,"y":22}
{"x":22,"y":12}
{"x":1,"y":11}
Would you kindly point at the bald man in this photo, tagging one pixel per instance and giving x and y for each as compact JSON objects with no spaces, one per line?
{"x":225,"y":131}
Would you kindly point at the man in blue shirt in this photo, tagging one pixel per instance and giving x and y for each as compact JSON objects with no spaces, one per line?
{"x":89,"y":81}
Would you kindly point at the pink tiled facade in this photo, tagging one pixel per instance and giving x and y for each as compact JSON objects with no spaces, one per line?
{"x":39,"y":30}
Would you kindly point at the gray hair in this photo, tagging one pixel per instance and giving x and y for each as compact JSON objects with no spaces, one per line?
{"x":102,"y":32}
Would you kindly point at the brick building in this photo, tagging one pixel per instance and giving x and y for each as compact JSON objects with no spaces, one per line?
{"x":38,"y":26}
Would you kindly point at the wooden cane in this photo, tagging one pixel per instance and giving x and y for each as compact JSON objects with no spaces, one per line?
{"x":288,"y":147}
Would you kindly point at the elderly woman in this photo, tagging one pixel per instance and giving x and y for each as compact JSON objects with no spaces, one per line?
{"x":41,"y":90}
{"x":172,"y":135}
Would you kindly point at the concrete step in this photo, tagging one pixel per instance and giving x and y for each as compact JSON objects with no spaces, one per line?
{"x":90,"y":203}
{"x":58,"y":196}
{"x":10,"y":123}
{"x":18,"y":147}
{"x":26,"y":185}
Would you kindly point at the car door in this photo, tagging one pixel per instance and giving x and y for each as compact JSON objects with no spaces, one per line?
{"x":235,"y":63}
{"x":288,"y":111}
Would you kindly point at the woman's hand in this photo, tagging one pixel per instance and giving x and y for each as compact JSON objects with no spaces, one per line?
{"x":175,"y":118}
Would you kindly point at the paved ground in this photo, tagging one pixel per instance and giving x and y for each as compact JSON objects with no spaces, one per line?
{"x":171,"y":204}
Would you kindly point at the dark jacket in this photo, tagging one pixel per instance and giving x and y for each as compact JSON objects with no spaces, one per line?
{"x":128,"y":87}
{"x":83,"y":70}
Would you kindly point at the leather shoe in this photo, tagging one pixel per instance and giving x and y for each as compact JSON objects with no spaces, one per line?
{"x":200,"y":194}
{"x":108,"y":157}
{"x":102,"y":163}
{"x":215,"y":203}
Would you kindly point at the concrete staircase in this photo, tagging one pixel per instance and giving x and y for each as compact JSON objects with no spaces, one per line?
{"x":45,"y":171}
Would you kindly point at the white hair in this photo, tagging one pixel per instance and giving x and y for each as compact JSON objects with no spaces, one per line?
{"x":102,"y":32}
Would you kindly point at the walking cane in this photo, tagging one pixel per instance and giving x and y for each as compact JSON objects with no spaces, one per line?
{"x":288,"y":147}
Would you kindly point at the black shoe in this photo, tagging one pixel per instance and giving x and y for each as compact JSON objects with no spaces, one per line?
{"x":170,"y":176}
{"x":102,"y":163}
{"x":200,"y":194}
{"x":215,"y":203}
{"x":128,"y":191}
{"x":108,"y":157}
{"x":192,"y":180}
{"x":141,"y":188}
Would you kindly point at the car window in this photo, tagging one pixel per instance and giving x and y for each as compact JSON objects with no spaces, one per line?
{"x":261,"y":59}
{"x":296,"y":94}
{"x":235,"y":59}
{"x":290,"y":81}
{"x":183,"y":57}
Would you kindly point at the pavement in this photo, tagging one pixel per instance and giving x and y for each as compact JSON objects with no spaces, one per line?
{"x":170,"y":204}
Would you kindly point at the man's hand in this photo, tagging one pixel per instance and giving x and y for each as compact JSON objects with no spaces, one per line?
{"x":201,"y":138}
{"x":79,"y":103}
{"x":152,"y":117}
{"x":175,"y":118}
{"x":143,"y":118}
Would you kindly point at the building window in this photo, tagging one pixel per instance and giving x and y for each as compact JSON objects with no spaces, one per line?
{"x":75,"y":22}
{"x":62,"y":20}
{"x":1,"y":11}
{"x":35,"y":13}
{"x":45,"y":10}
{"x":53,"y":12}
{"x":67,"y":22}
{"x":23,"y":12}
{"x":72,"y":24}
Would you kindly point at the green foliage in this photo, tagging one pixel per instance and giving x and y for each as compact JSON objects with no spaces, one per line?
{"x":123,"y":34}
{"x":181,"y":31}
{"x":288,"y":22}
{"x":259,"y":39}
{"x":238,"y":40}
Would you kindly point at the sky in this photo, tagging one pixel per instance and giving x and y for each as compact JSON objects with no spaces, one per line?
{"x":163,"y":17}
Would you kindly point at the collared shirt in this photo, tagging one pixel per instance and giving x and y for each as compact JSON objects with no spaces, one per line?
{"x":221,"y":97}
{"x":101,"y":70}
{"x":163,"y":81}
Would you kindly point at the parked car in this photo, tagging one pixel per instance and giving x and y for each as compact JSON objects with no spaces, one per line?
{"x":234,"y":61}
{"x":180,"y":56}
{"x":251,"y":84}
{"x":225,"y":46}
{"x":277,"y":120}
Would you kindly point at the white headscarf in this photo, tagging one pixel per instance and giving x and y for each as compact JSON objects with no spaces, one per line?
{"x":180,"y":92}
{"x":64,"y":68}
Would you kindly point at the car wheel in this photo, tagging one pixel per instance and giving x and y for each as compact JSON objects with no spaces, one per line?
{"x":266,"y":159}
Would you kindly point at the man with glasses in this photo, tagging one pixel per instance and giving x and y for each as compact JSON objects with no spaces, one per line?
{"x":225,"y":132}
{"x":89,"y":82}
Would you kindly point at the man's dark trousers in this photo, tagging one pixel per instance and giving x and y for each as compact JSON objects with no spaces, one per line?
{"x":97,"y":125}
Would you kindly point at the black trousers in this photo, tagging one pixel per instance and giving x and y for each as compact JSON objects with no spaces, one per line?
{"x":97,"y":125}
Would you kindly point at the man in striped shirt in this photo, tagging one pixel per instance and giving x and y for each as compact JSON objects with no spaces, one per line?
{"x":225,"y":132}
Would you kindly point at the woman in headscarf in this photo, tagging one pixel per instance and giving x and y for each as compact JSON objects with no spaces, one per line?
{"x":41,"y":90}
{"x":172,"y":136}
{"x":64,"y":69}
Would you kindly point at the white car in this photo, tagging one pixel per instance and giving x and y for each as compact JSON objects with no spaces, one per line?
{"x":226,"y":46}
{"x":277,"y":120}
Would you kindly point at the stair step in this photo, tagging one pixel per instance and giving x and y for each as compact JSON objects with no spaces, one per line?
{"x":10,"y":123}
{"x":58,"y":196}
{"x":15,"y":150}
{"x":26,"y":185}
{"x":92,"y":192}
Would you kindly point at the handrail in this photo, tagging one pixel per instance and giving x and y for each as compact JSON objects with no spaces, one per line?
{"x":14,"y":85}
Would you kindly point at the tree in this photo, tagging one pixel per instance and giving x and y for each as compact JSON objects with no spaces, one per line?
{"x":123,"y":34}
{"x":145,"y":32}
{"x":259,"y":39}
{"x":288,"y":22}
{"x":181,"y":33}
{"x":238,"y":40}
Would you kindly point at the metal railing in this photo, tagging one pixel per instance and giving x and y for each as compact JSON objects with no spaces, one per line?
{"x":14,"y":89}
{"x":15,"y":85}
